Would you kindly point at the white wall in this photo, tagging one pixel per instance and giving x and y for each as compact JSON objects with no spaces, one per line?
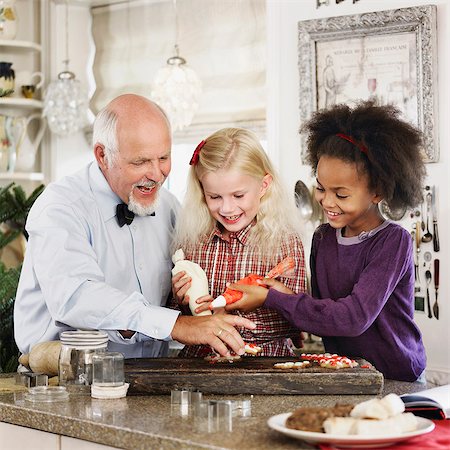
{"x":284,"y":141}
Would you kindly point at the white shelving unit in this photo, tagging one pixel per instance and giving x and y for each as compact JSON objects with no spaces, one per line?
{"x":28,"y":54}
{"x":21,"y":103}
{"x":22,"y":176}
{"x":19,"y":46}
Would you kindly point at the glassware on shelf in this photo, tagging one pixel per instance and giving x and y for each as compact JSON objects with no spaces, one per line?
{"x":8,"y":19}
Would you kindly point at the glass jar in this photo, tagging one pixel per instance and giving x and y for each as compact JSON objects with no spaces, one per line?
{"x":8,"y":19}
{"x":75,"y":360}
{"x":108,"y":369}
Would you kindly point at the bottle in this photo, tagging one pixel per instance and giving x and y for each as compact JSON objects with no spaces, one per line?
{"x":231,"y":295}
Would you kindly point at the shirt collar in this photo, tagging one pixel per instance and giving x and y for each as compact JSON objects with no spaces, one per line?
{"x":104,"y":196}
{"x":241,"y":235}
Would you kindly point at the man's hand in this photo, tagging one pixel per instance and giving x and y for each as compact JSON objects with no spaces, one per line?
{"x":217,"y":330}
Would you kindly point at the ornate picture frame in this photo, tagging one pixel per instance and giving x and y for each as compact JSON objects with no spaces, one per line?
{"x":390,"y":55}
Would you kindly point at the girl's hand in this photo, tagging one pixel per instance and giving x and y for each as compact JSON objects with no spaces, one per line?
{"x":180,"y":285}
{"x":277,"y":285}
{"x":255,"y":296}
{"x":204,"y":303}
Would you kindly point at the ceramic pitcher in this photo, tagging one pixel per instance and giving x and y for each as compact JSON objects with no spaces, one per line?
{"x":17,"y":149}
{"x":26,"y":147}
{"x":7,"y":77}
{"x":8,"y":135}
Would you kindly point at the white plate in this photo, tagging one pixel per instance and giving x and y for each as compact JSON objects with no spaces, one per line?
{"x":278,"y":423}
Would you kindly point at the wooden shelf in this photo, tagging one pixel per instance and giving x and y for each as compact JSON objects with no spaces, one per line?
{"x":22,"y":176}
{"x":21,"y":102}
{"x":15,"y":45}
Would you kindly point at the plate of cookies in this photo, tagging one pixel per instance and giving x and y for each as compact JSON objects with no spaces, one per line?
{"x":374,"y":423}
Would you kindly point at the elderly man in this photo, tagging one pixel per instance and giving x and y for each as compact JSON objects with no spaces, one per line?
{"x":98,"y":255}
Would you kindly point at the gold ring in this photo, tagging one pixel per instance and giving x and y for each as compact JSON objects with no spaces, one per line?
{"x":219,"y":332}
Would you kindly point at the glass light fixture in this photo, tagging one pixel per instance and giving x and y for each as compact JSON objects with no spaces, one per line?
{"x":176,"y":87}
{"x":65,"y":101}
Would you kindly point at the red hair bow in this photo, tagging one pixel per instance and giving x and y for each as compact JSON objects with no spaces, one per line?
{"x":196,"y":154}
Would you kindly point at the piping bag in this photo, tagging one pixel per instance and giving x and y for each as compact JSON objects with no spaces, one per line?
{"x":199,"y":283}
{"x":232,"y":296}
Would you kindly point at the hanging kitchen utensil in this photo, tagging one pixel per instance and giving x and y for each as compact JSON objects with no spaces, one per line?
{"x":422,"y":223}
{"x":318,"y":214}
{"x":416,"y":261}
{"x":436,"y":246}
{"x":428,"y":277}
{"x":390,"y":213}
{"x":436,"y":288}
{"x":427,"y":237}
{"x":418,"y":241}
{"x":303,"y":200}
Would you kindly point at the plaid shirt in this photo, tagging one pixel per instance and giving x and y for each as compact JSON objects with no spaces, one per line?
{"x":228,"y":261}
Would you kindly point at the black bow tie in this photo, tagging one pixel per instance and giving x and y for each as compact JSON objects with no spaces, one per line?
{"x":124,"y":215}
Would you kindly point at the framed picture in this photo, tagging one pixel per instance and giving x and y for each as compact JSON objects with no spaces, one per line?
{"x":389,"y":56}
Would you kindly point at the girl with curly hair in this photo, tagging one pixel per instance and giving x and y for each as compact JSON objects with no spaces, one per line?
{"x":362,"y":266}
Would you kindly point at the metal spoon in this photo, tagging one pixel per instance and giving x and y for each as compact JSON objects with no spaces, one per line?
{"x":303,"y":200}
{"x":427,"y":237}
{"x":428,"y":277}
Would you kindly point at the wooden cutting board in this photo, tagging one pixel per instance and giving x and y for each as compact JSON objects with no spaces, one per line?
{"x":250,"y":375}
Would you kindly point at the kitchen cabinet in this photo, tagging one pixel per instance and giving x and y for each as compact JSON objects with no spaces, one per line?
{"x":17,"y":437}
{"x":26,"y":160}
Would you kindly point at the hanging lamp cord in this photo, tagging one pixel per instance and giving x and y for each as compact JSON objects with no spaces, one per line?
{"x":66,"y":74}
{"x":177,"y":59}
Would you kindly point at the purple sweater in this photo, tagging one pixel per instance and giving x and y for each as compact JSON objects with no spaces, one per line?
{"x":363,"y":299}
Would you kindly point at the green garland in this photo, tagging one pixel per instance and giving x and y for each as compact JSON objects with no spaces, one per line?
{"x":14,"y":209}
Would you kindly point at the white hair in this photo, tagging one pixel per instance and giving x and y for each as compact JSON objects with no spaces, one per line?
{"x":104,"y":133}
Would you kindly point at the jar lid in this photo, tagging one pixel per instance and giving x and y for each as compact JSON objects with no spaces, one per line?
{"x":47,"y":394}
{"x":84,"y":338}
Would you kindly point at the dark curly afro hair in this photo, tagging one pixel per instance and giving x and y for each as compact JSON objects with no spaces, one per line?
{"x":386,"y":148}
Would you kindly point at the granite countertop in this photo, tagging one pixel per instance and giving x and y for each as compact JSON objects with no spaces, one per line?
{"x":142,"y":422}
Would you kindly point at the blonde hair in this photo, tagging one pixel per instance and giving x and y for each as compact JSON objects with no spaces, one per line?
{"x":239,"y":150}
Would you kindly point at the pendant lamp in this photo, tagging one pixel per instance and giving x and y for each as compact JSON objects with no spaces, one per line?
{"x":65,"y":100}
{"x":176,"y":87}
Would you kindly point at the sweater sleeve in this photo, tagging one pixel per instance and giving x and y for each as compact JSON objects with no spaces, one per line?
{"x":350,"y":315}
